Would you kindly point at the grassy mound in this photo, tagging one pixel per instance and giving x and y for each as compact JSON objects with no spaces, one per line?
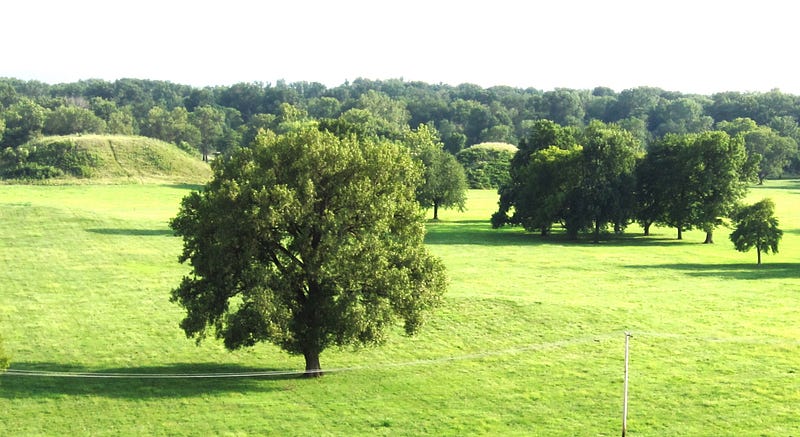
{"x":98,"y":157}
{"x":496,"y":146}
{"x":487,"y":164}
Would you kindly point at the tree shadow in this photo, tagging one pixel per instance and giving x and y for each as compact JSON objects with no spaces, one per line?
{"x":184,"y":186}
{"x":132,"y":232}
{"x":732,"y":271}
{"x":793,"y":184}
{"x":153,"y":382}
{"x":480,"y":232}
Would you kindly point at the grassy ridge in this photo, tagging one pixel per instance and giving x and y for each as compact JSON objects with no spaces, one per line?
{"x":106,"y":157}
{"x":529,"y":341}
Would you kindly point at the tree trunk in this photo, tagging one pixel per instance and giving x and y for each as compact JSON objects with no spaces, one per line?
{"x":709,"y":237}
{"x":647,"y":229}
{"x":596,"y":232}
{"x":680,"y":233}
{"x":313,"y":369}
{"x":759,"y":255}
{"x":435,"y":211}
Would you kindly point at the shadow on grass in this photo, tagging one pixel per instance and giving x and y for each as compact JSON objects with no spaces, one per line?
{"x":480,"y":232}
{"x":132,"y":232}
{"x":732,"y":271}
{"x":190,"y":187}
{"x":20,"y":386}
{"x":784,"y":184}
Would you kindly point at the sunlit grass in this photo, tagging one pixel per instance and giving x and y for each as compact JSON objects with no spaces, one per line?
{"x":529,"y":341}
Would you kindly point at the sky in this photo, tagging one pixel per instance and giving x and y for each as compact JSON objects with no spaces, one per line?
{"x":699,"y":46}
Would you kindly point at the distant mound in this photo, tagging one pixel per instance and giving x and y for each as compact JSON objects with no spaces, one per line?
{"x":502,"y":147}
{"x":109,"y":157}
{"x":487,"y":164}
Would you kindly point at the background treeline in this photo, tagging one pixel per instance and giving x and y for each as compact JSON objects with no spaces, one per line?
{"x":216,"y":118}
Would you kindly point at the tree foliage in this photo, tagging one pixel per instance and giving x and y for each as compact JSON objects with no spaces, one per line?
{"x":66,"y":120}
{"x":772,"y":151}
{"x":307,"y":240}
{"x":720,"y":178}
{"x":585,"y":180}
{"x":755,"y":226}
{"x":692,"y":181}
{"x":444,"y":182}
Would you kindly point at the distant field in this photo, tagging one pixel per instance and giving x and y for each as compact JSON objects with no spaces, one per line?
{"x":529,"y":341}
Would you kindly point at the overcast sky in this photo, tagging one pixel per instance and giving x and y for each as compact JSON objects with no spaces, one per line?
{"x":699,"y":46}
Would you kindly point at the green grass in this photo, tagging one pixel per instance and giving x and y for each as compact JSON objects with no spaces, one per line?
{"x":529,"y":341}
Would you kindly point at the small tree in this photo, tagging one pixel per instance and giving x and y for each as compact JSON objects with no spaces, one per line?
{"x":307,"y":240}
{"x":756,"y":226}
{"x":444,"y":182}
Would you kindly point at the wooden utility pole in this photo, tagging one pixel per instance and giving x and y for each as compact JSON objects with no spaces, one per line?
{"x":625,"y":388}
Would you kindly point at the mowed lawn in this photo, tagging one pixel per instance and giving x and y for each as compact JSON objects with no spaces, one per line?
{"x":530,"y":340}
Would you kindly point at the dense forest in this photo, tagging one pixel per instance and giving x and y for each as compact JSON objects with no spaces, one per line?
{"x":214,"y":119}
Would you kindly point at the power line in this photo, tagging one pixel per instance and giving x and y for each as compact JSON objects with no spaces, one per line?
{"x":431,"y":361}
{"x":473,"y":356}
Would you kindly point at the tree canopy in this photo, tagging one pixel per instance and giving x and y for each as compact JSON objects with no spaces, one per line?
{"x":585,"y":180}
{"x":307,"y":240}
{"x":464,"y":115}
{"x":444,"y":182}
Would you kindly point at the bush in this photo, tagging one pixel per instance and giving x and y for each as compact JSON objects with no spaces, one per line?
{"x":47,"y":160}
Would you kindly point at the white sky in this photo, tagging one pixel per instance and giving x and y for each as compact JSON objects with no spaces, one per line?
{"x":699,"y":46}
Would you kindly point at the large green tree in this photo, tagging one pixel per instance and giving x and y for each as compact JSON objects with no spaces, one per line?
{"x":307,"y":240}
{"x":540,"y":176}
{"x":665,"y":184}
{"x":210,"y":122}
{"x":720,"y":179}
{"x":583,"y":179}
{"x":692,"y":180}
{"x":756,"y":226}
{"x":605,"y":192}
{"x":24,"y":121}
{"x":66,"y":120}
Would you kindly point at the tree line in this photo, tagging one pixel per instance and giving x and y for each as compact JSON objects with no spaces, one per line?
{"x":601,"y":177}
{"x":215,"y":119}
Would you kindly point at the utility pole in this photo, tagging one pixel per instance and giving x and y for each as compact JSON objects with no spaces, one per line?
{"x":625,"y":387}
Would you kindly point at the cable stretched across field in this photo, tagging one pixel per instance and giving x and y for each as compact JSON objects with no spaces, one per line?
{"x":473,"y":356}
{"x":422,"y":362}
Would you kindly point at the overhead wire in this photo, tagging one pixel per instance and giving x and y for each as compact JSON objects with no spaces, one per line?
{"x":274,"y":373}
{"x":421,"y":362}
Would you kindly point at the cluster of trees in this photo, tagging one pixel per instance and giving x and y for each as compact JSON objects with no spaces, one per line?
{"x":601,"y":176}
{"x":218,"y":118}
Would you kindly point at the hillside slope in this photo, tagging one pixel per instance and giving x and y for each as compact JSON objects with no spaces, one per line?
{"x":101,"y":157}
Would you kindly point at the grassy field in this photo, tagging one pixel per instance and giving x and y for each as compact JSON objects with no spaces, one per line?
{"x":529,"y":341}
